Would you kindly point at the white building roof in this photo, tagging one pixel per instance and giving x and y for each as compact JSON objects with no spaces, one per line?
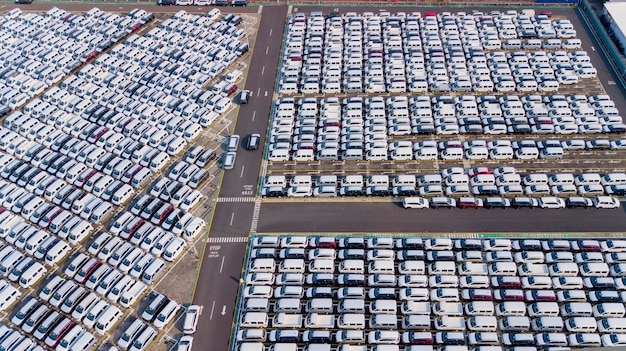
{"x":617,"y":10}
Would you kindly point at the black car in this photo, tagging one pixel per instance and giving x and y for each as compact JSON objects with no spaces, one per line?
{"x":244,"y":96}
{"x":351,"y":279}
{"x":235,"y":20}
{"x":4,"y":110}
{"x":220,"y":3}
{"x":520,"y":202}
{"x":166,"y":2}
{"x":274,"y":192}
{"x":528,"y":34}
{"x":495,"y":202}
{"x":239,"y":3}
{"x":617,"y":190}
{"x":378,"y":191}
{"x":573,"y":202}
{"x":23,"y":1}
{"x":486,"y":190}
{"x":253,"y":141}
{"x":351,"y":191}
{"x":404,"y":191}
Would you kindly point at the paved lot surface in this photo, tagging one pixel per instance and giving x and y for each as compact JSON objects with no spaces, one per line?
{"x":236,"y":214}
{"x":379,"y":217}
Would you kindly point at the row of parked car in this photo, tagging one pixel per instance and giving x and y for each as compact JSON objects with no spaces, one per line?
{"x":67,"y":161}
{"x":43,"y":49}
{"x":355,"y":128}
{"x":541,"y":303}
{"x":500,"y":189}
{"x":430,"y":52}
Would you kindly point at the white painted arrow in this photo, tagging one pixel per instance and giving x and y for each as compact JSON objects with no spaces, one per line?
{"x":224,"y":310}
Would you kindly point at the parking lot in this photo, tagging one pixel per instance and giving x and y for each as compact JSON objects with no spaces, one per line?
{"x":393,"y":293}
{"x":330,"y":129}
{"x":91,"y":125}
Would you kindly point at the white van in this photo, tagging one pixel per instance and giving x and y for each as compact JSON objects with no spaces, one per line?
{"x":278,"y":155}
{"x":108,"y":319}
{"x":129,"y":296}
{"x":547,"y":324}
{"x":581,"y":325}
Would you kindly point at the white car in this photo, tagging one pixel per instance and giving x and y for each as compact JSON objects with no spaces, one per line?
{"x":606,"y":202}
{"x":552,"y":202}
{"x":415,"y":202}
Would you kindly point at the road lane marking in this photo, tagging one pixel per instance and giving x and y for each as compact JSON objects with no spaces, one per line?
{"x":263,"y":70}
{"x":266,"y":93}
{"x":258,"y":92}
{"x":242,"y":168}
{"x":227,"y":239}
{"x":271,"y":30}
{"x":212,"y":308}
{"x":267,"y":49}
{"x":236,"y":199}
{"x":222,"y":264}
{"x":253,"y":115}
{"x":232,"y":216}
{"x":255,"y":215}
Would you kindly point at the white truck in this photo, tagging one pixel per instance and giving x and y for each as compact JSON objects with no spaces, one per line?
{"x":450,"y":323}
{"x":319,"y":321}
{"x":287,"y":320}
{"x":473,"y":268}
{"x":447,"y":309}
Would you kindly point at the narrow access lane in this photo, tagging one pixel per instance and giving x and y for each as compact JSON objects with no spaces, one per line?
{"x":218,"y":278}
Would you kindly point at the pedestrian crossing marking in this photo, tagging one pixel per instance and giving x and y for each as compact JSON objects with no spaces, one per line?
{"x":236,"y":199}
{"x":227,"y":239}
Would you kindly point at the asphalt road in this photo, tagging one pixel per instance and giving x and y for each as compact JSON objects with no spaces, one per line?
{"x":391,"y":217}
{"x":218,"y":279}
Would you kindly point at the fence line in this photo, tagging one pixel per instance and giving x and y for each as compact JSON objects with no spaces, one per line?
{"x":427,"y":3}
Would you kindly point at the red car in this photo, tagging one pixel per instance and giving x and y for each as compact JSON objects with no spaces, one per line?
{"x":586,"y":245}
{"x":135,"y":27}
{"x":231,"y":90}
{"x":469,"y":202}
{"x":546,"y":13}
{"x":506,"y":282}
{"x":92,"y":55}
{"x":478,"y":170}
{"x":89,"y":271}
{"x":327,"y":242}
{"x":81,"y":182}
{"x":476,"y":295}
{"x":540,"y":295}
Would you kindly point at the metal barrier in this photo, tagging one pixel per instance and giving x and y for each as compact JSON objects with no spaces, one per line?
{"x":426,"y":3}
